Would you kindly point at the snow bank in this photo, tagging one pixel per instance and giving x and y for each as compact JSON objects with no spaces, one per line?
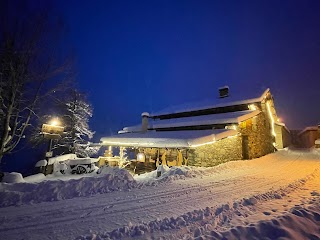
{"x":176,"y":173}
{"x":165,"y":174}
{"x":12,"y":177}
{"x":35,"y":178}
{"x":112,"y":179}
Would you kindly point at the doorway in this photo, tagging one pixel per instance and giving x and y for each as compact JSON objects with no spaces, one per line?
{"x":245,"y":147}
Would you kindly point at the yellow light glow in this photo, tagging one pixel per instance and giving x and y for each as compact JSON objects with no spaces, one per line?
{"x":234,"y":127}
{"x":54,"y":122}
{"x":141,"y":157}
{"x":252,"y":107}
{"x":127,"y":143}
{"x":202,"y":144}
{"x":272,"y":119}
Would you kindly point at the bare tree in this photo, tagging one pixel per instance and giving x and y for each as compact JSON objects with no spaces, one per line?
{"x":29,"y":69}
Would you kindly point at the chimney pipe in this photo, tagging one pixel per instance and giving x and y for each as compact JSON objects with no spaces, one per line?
{"x":224,"y":92}
{"x":145,"y":121}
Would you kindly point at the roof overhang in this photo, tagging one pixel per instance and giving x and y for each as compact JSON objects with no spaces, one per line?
{"x":168,"y":139}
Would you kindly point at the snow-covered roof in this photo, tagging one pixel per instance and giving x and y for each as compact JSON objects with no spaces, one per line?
{"x":61,"y":158}
{"x":312,"y":128}
{"x":222,"y":118}
{"x":79,"y":161}
{"x":135,"y":128}
{"x":235,"y":98}
{"x":169,"y":139}
{"x":283,"y":125}
{"x":41,"y":163}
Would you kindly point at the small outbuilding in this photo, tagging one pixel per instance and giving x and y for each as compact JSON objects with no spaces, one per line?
{"x":310,"y":137}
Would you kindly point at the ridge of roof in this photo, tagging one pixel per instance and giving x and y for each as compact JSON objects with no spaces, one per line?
{"x":221,"y":102}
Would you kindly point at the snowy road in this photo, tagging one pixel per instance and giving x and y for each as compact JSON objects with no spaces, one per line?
{"x":226,"y":184}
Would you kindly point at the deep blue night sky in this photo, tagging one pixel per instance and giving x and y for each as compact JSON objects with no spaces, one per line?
{"x":135,"y":56}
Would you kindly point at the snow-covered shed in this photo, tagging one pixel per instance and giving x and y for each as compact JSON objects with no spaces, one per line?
{"x":309,"y":137}
{"x":228,"y":127}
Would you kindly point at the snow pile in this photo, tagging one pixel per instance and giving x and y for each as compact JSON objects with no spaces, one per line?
{"x":176,"y":173}
{"x":113,"y":179}
{"x":35,"y":178}
{"x":41,"y":163}
{"x":12,"y":177}
{"x":164,"y":174}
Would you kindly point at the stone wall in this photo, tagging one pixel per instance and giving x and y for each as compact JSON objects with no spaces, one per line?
{"x":258,"y":130}
{"x":260,"y":143}
{"x":222,"y":151}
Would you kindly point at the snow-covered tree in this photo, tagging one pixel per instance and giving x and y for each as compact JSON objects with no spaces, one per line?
{"x":75,"y":115}
{"x":123,"y":160}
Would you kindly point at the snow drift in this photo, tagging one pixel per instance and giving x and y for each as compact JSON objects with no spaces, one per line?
{"x":111,"y":179}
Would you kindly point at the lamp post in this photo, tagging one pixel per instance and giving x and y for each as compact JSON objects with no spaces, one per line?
{"x":52,"y":130}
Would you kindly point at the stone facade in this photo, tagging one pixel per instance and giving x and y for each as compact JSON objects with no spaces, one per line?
{"x":259,"y":140}
{"x":222,"y":151}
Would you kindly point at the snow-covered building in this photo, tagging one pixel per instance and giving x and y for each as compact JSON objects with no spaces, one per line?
{"x":229,"y":127}
{"x":309,"y":137}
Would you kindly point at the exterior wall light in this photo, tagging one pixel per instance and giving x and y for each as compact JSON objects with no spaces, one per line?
{"x":141,"y":157}
{"x":252,"y":107}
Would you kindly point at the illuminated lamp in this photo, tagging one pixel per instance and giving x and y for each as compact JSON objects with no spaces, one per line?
{"x":252,"y":107}
{"x":141,"y":157}
{"x":54,"y":122}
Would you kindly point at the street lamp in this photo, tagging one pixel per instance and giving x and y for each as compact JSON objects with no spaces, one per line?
{"x":51,"y":131}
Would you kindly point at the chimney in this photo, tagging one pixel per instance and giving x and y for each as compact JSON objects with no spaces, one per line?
{"x":145,"y":122}
{"x":224,"y":92}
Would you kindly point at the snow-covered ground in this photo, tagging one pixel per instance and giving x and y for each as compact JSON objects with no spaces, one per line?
{"x":276,"y":196}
